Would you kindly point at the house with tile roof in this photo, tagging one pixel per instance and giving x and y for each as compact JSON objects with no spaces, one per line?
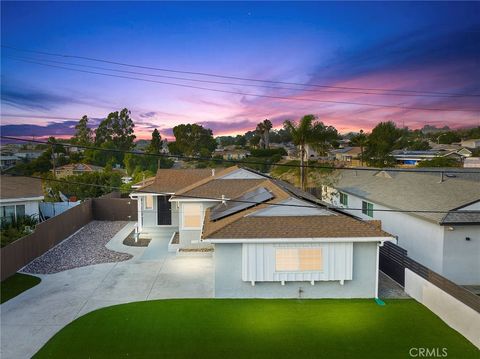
{"x":438,"y":222}
{"x":269,"y":239}
{"x":20,"y":196}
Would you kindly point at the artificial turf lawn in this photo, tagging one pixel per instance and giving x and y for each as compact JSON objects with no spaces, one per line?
{"x":225,"y":328}
{"x":16,"y":284}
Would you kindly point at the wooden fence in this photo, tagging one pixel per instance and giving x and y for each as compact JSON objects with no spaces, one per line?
{"x":394,"y":260}
{"x":49,"y":233}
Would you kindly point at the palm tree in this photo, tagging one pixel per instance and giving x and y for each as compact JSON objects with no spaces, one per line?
{"x":267,"y":126}
{"x":303,"y":133}
{"x":260,"y":130}
{"x":311,"y":132}
{"x":361,"y":140}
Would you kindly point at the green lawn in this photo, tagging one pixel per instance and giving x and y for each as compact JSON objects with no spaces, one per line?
{"x":16,"y":284}
{"x":203,"y":328}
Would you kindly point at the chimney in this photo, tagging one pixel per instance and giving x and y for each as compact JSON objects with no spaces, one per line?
{"x":213,"y":172}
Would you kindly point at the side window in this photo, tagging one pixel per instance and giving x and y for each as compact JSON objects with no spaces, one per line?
{"x":148,"y":203}
{"x":367,"y":208}
{"x":344,"y":199}
{"x":20,"y":210}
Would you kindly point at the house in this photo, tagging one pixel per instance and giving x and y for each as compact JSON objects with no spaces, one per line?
{"x":448,"y":148}
{"x":472,"y":143}
{"x":29,"y":155}
{"x":233,"y":154}
{"x":348,"y":155}
{"x":19,"y":196}
{"x":263,"y":248}
{"x":408,"y":158}
{"x":75,"y":169}
{"x":7,"y":161}
{"x":437,"y":227}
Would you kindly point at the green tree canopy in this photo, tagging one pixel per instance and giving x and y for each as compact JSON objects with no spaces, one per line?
{"x":381,"y":142}
{"x":193,"y":139}
{"x":83,"y":134}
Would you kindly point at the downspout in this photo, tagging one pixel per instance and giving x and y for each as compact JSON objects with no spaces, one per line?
{"x":378,"y":300}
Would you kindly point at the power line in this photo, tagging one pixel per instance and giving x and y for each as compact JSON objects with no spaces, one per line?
{"x":209,"y":159}
{"x":244,"y":201}
{"x":42,"y":61}
{"x":225,"y":76}
{"x":301,"y":99}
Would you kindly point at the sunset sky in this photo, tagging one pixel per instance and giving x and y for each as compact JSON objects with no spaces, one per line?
{"x":423,"y":47}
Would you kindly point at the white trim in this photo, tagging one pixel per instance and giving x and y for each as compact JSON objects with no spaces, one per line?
{"x":22,"y":199}
{"x":143,"y":194}
{"x":196,"y":200}
{"x":301,"y":240}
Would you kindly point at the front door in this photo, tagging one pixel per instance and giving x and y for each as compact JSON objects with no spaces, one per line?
{"x":164,"y":211}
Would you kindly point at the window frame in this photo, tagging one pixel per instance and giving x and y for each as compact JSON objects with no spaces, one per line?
{"x":200,"y":214}
{"x":367,"y":208}
{"x":344,"y":199}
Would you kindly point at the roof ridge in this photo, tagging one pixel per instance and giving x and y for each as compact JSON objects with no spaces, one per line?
{"x":206,"y":180}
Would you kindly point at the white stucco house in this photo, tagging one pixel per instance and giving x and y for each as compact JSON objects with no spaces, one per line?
{"x":19,"y":196}
{"x":269,"y":241}
{"x":442,"y":232}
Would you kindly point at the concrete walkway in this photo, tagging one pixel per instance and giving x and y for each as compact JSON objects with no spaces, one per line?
{"x":32,"y":318}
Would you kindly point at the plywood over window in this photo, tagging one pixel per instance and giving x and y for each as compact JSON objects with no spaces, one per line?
{"x":298,"y":259}
{"x":149,"y":201}
{"x":192,"y":215}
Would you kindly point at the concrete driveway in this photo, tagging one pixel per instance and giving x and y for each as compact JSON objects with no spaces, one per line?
{"x":31,"y":319}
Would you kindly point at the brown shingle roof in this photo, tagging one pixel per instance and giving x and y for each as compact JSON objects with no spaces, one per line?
{"x":231,"y":188}
{"x":172,"y":180}
{"x":243,"y":226}
{"x":20,"y":187}
{"x":335,"y":226}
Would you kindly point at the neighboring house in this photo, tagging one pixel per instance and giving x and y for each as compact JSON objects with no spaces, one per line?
{"x":29,"y":155}
{"x":263,"y":248}
{"x":76,"y":169}
{"x":7,"y":161}
{"x":348,"y":155}
{"x":408,"y":158}
{"x":447,"y":241}
{"x":19,"y":196}
{"x":235,"y":154}
{"x":472,"y":143}
{"x":472,"y":162}
{"x":449,"y":148}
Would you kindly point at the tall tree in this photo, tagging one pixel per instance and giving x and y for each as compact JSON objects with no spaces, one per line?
{"x":115,"y":132}
{"x":83,"y":134}
{"x":307,"y":131}
{"x":381,"y":142}
{"x":263,"y":131}
{"x":193,"y":140}
{"x":360,"y":139}
{"x":155,"y":145}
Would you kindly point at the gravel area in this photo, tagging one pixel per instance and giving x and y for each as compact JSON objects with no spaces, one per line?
{"x":389,"y":289}
{"x":84,"y":248}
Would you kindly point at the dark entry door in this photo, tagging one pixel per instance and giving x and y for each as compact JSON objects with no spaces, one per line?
{"x":164,"y":208}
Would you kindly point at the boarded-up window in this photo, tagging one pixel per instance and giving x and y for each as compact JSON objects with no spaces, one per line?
{"x":298,"y":259}
{"x":192,"y":215}
{"x":149,"y":202}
